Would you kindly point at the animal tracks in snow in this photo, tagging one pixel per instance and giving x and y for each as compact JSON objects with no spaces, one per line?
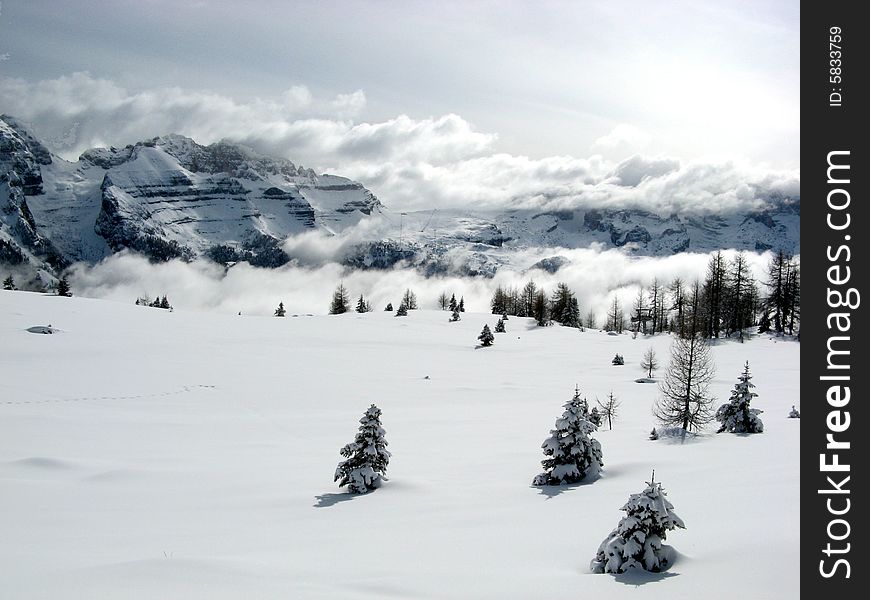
{"x":182,"y":390}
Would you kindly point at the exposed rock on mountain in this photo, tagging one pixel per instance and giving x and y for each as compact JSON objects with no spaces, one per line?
{"x":170,"y":197}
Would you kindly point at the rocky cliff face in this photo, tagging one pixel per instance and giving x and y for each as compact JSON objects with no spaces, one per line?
{"x":21,"y":161}
{"x":170,"y":197}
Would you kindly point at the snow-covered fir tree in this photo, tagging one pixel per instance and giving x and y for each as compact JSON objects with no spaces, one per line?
{"x":340,"y":300}
{"x":595,"y":417}
{"x":367,"y":456}
{"x":572,"y":453}
{"x":486,"y":338}
{"x":403,"y":311}
{"x":461,"y":305}
{"x":736,"y":416}
{"x":499,"y":326}
{"x":388,"y":307}
{"x":504,"y":317}
{"x":280,"y":311}
{"x":636,"y":543}
{"x":618,"y":360}
{"x":9,"y":283}
{"x":653,"y":435}
{"x":570,"y":315}
{"x":63,"y":288}
{"x":794,"y":413}
{"x":455,"y":315}
{"x":452,"y":306}
{"x":362,"y":306}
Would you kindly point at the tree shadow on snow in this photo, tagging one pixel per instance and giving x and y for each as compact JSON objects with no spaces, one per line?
{"x":637,"y":577}
{"x":551,"y":491}
{"x":327,"y":500}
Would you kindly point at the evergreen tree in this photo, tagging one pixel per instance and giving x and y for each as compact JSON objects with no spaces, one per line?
{"x":649,"y":363}
{"x":563,"y":306}
{"x":609,"y":409}
{"x":637,"y":540}
{"x":280,"y":312}
{"x":571,"y":314}
{"x":455,"y":315}
{"x":164,"y":303}
{"x":504,"y":317}
{"x":340,"y":301}
{"x":527,"y":299}
{"x":572,"y":453}
{"x":618,"y":360}
{"x":497,"y":304}
{"x":566,"y":307}
{"x":410,"y":300}
{"x":9,"y":283}
{"x":499,"y":326}
{"x":486,"y":338}
{"x":403,"y":310}
{"x":389,"y":307}
{"x":540,"y":310}
{"x":461,"y":306}
{"x":595,"y":417}
{"x":684,"y":401}
{"x":362,"y":306}
{"x":653,"y":435}
{"x":453,"y":305}
{"x":367,"y":456}
{"x":736,"y":416}
{"x":63,"y":288}
{"x":764,"y":323}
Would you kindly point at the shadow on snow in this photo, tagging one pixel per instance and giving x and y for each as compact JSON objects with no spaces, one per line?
{"x":327,"y":500}
{"x":551,"y":491}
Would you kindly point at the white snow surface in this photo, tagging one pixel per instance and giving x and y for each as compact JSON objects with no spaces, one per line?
{"x":177,"y":455}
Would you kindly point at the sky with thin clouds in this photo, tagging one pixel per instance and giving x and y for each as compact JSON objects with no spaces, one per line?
{"x":433,"y":102}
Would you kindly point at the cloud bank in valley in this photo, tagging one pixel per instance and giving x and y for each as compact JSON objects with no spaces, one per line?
{"x":409,"y":163}
{"x":595,"y":276}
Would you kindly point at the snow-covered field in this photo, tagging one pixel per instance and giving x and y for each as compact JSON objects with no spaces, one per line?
{"x":177,"y":455}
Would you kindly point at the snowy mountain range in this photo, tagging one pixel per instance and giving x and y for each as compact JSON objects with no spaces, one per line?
{"x":170,"y":197}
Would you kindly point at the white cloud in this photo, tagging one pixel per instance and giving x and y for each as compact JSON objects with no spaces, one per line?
{"x":409,"y":163}
{"x":349,"y":105}
{"x":596,"y":276}
{"x":623,"y":140}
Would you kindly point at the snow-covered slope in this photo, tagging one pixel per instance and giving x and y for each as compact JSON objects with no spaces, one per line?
{"x":167,"y":197}
{"x":155,"y":454}
{"x":170,"y":197}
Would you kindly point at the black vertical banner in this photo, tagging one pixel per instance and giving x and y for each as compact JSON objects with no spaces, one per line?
{"x":835,"y":227}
